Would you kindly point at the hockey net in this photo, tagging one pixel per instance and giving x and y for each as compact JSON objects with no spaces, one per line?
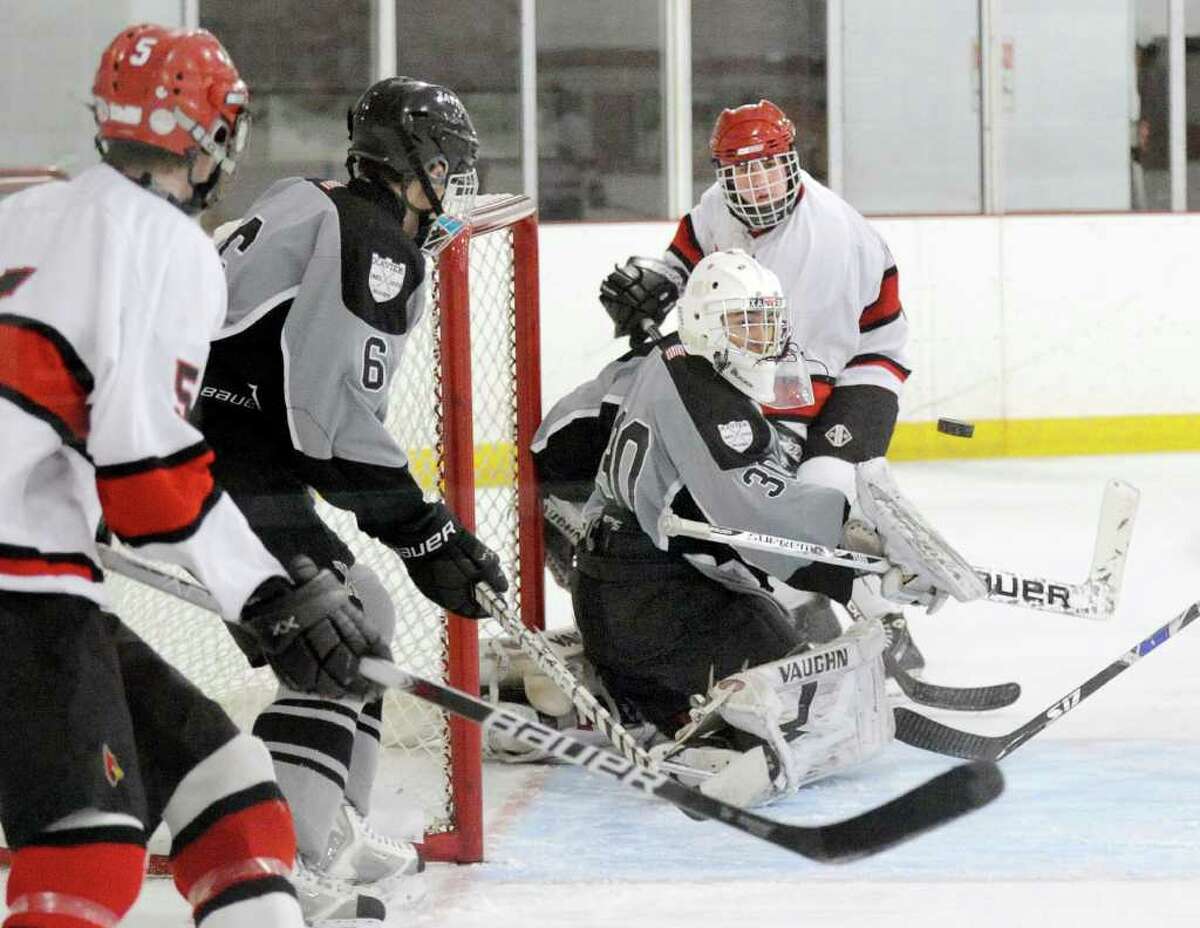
{"x":465,"y":403}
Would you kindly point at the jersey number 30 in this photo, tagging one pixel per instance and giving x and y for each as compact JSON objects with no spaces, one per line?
{"x":626,"y":453}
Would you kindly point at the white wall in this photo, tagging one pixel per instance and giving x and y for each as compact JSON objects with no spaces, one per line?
{"x":1015,"y":317}
{"x":50,"y":52}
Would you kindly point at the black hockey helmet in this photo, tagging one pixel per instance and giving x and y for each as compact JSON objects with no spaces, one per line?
{"x":411,"y":126}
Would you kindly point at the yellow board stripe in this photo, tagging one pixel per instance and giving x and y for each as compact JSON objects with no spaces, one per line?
{"x":495,"y":465}
{"x":1025,"y":438}
{"x":495,"y":462}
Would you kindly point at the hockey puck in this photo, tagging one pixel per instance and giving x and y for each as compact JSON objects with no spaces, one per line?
{"x":955,"y":427}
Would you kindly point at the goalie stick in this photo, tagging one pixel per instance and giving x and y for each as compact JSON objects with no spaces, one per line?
{"x":1095,"y":598}
{"x":947,"y":796}
{"x":959,"y":698}
{"x":922,"y":732}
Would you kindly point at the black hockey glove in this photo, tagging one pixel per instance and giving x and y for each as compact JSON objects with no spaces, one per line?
{"x":313,"y":634}
{"x":641,"y":288}
{"x":445,"y":561}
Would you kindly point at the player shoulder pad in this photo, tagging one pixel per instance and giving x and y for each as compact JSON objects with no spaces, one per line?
{"x":730,"y":423}
{"x":381,"y":266}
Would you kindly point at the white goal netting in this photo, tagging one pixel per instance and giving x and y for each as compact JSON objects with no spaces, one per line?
{"x":422,"y":409}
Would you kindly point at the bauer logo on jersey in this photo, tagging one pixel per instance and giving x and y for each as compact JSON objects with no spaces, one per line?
{"x":839,"y":436}
{"x":737,"y":434}
{"x":386,"y":279}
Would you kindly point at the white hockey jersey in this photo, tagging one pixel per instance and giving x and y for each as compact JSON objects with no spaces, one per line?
{"x":837,"y":274}
{"x":108,"y":298}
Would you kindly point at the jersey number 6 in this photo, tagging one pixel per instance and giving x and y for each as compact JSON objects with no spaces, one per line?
{"x":374,"y":372}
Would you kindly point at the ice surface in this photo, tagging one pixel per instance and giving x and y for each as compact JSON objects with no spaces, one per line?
{"x":1100,"y":823}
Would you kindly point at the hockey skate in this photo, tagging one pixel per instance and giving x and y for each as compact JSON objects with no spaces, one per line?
{"x":362,"y":858}
{"x":330,"y":903}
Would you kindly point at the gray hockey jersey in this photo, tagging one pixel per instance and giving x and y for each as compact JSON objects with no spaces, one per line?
{"x":684,"y":438}
{"x":324,"y":288}
{"x":572,"y":435}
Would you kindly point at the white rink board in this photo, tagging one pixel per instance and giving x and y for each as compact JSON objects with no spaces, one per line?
{"x":1012,"y":317}
{"x":1100,"y":823}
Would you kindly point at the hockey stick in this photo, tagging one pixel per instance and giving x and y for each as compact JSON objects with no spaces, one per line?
{"x":953,"y":793}
{"x":956,"y":698}
{"x":947,"y":796}
{"x":1095,"y":598}
{"x":531,"y":642}
{"x":922,"y":732}
{"x":557,"y":670}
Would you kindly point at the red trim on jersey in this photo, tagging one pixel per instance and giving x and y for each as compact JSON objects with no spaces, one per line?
{"x":60,"y":884}
{"x":878,"y":360}
{"x":39,"y":365}
{"x":886,"y":306}
{"x":157,"y":496}
{"x":19,"y":561}
{"x":685,"y":246}
{"x":821,"y":392}
{"x":261,"y":832}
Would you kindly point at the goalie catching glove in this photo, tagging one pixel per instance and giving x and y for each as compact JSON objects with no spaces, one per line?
{"x":640,"y":289}
{"x":928,"y":570}
{"x":312,"y":634}
{"x":445,"y":561}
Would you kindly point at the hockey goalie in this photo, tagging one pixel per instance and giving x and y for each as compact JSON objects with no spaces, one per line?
{"x":688,"y":635}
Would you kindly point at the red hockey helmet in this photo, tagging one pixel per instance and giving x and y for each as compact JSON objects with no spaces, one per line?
{"x":753,"y":149}
{"x":751,"y":131}
{"x":173,"y":89}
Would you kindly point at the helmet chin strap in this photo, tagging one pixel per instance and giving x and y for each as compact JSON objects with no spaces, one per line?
{"x":201,"y":190}
{"x":418,"y":169}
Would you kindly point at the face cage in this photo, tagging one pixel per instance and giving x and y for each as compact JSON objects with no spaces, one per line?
{"x":457,"y":204}
{"x":224,"y":151}
{"x":756,"y":176}
{"x":735,"y":315}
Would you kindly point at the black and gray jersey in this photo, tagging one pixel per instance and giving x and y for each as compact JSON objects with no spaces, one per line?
{"x":573,"y":434}
{"x":683,"y":438}
{"x":324,"y":288}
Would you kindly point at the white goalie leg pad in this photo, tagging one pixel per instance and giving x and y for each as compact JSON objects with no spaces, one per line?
{"x":928,"y":569}
{"x":818,"y":712}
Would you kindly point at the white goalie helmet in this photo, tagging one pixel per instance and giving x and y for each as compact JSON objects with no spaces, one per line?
{"x":734,"y":313}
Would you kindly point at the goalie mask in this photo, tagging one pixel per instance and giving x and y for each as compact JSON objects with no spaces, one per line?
{"x":422,"y":132}
{"x":754,"y":151}
{"x":733,"y":313}
{"x":177,"y":90}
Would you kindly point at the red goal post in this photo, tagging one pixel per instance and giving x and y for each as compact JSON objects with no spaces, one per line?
{"x":517,"y":216}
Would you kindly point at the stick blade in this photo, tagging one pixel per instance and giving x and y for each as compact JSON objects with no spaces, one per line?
{"x":964,"y":699}
{"x":1117,"y":513}
{"x":956,"y":698}
{"x":920,"y":731}
{"x":960,"y":790}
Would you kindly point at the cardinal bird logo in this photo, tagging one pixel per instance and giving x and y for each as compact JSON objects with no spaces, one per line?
{"x":112,"y":767}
